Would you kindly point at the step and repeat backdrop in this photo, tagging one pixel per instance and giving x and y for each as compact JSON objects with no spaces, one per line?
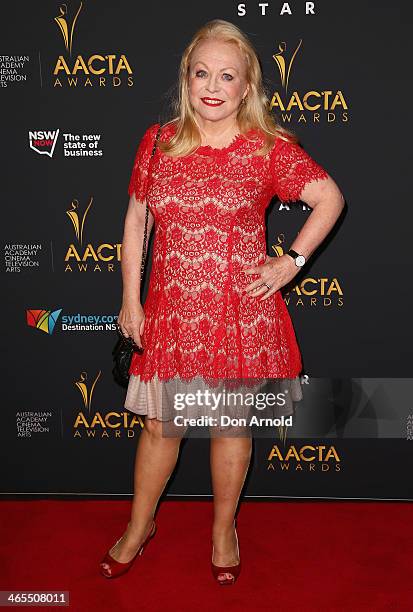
{"x":80,"y":82}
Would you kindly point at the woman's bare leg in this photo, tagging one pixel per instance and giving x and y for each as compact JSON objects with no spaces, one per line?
{"x":155,"y":461}
{"x":229,"y":459}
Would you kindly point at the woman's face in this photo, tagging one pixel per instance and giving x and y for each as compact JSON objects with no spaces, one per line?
{"x":217,"y":80}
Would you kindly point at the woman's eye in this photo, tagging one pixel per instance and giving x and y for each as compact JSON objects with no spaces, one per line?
{"x":202,"y":73}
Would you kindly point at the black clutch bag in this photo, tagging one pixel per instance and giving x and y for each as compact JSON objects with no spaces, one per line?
{"x":125,"y":346}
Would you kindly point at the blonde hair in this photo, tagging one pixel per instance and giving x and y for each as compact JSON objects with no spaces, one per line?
{"x":252,"y":114}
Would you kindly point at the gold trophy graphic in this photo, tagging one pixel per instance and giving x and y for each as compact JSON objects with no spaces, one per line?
{"x":78,"y":223}
{"x":66,"y":29}
{"x":86,"y":393}
{"x":284,"y":67}
{"x":277,"y":248}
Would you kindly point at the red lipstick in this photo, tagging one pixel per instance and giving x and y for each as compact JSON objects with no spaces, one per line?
{"x":212,"y":101}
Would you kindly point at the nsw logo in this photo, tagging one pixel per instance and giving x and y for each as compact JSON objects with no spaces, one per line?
{"x":43,"y":141}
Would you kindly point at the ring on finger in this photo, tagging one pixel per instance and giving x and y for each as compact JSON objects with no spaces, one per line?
{"x":259,"y":287}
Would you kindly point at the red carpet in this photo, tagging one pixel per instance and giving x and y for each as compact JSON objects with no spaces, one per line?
{"x":321,"y":556}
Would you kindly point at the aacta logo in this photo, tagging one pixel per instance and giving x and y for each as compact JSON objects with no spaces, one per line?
{"x":307,"y":457}
{"x":43,"y":142}
{"x":311,"y":291}
{"x":92,"y":424}
{"x":87,"y":257}
{"x":310,"y":105}
{"x":44,"y":320}
{"x":94,"y":70}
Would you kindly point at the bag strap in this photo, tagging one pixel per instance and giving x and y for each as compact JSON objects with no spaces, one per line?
{"x":145,"y":234}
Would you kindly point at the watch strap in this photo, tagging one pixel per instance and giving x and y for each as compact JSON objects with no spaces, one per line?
{"x":293,"y":253}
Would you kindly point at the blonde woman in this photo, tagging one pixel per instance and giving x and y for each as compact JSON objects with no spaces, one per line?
{"x":214,"y":309}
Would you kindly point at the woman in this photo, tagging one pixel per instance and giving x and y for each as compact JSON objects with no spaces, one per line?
{"x":214,"y":309}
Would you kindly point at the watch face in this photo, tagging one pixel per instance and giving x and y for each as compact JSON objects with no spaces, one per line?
{"x":300,"y":260}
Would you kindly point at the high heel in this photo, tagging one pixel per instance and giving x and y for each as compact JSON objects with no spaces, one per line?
{"x":229,"y":573}
{"x":110,"y":568}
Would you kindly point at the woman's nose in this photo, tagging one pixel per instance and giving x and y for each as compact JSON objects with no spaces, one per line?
{"x":212,"y":85}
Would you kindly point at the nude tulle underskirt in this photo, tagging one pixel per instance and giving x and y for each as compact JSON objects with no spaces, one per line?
{"x":158,"y":399}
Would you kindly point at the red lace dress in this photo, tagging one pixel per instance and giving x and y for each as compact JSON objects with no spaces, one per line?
{"x":208,"y":210}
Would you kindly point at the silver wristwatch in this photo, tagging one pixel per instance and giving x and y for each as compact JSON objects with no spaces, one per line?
{"x":299,"y":259}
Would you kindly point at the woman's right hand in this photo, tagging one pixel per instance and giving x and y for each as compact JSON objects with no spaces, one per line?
{"x":131,"y":320}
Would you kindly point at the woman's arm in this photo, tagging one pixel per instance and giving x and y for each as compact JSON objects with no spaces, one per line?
{"x":327,"y":202}
{"x":131,"y":317}
{"x":132,"y":243}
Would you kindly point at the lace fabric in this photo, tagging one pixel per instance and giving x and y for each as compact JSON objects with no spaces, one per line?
{"x":209,"y":211}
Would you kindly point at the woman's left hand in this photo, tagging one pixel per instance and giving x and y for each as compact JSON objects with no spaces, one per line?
{"x":276,"y":271}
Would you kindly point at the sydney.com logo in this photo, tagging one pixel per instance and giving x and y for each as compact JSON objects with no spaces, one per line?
{"x":45,"y":321}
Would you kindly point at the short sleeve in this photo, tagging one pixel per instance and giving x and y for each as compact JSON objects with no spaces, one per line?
{"x":292,"y":168}
{"x":140,"y":170}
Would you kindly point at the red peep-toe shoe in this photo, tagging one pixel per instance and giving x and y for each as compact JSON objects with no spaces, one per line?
{"x":227,"y":574}
{"x":110,"y":568}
